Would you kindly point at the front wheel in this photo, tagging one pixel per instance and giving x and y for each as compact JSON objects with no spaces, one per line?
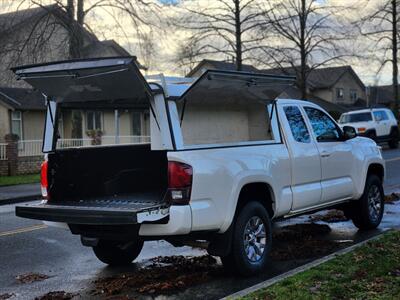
{"x":117,"y":253}
{"x":251,"y":243}
{"x":367,"y":212}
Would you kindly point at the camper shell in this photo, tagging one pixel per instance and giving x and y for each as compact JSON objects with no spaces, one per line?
{"x":126,"y":184}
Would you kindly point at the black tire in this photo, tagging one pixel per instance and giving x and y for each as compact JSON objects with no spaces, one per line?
{"x":362,"y":211}
{"x":250,"y":215}
{"x":117,"y":253}
{"x":394,"y":141}
{"x":372,"y":135}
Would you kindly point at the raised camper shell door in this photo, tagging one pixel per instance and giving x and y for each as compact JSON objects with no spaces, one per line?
{"x":88,"y":80}
{"x":215,"y":85}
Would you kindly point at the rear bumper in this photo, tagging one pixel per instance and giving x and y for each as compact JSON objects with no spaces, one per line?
{"x":91,"y":216}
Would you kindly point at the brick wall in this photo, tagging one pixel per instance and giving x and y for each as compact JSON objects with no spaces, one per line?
{"x":3,"y":168}
{"x":29,"y":165}
{"x":15,"y":165}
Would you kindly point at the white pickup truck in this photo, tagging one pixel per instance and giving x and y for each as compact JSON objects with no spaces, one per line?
{"x":223,"y":163}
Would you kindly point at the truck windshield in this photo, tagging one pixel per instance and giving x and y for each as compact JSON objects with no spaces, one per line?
{"x":354,"y":118}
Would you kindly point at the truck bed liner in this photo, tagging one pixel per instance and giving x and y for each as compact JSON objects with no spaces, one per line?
{"x":111,"y":210}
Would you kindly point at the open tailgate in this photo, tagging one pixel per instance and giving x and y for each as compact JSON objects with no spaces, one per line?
{"x":116,"y":210}
{"x":88,"y":79}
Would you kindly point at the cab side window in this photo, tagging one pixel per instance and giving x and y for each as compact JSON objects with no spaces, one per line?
{"x":380,"y":115}
{"x":324,"y":128}
{"x":297,"y":124}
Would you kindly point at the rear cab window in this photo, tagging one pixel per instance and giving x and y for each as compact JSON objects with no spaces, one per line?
{"x":355,"y":117}
{"x":297,"y":124}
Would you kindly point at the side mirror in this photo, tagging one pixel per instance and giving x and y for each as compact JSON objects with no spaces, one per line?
{"x":349,"y":132}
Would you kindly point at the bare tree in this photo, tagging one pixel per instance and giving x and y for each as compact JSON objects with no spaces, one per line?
{"x":147,"y":49}
{"x":77,"y":11}
{"x":305,"y":34}
{"x":382,"y":27}
{"x":186,"y":56}
{"x":221,"y":28}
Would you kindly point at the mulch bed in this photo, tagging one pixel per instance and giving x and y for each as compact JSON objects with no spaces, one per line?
{"x":392,"y":198}
{"x":302,"y":241}
{"x":58,"y":295}
{"x":332,"y":216}
{"x":165,"y":275}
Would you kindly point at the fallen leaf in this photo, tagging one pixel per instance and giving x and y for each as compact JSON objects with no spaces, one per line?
{"x":57,"y":295}
{"x":31,"y":277}
{"x":6,"y":296}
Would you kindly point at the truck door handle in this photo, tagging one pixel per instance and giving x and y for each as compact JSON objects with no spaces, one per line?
{"x":325,"y":154}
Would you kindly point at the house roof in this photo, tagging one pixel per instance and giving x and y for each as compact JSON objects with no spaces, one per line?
{"x":98,"y":48}
{"x":321,"y":78}
{"x":95,"y":48}
{"x":22,"y":98}
{"x":8,"y":21}
{"x":222,"y":65}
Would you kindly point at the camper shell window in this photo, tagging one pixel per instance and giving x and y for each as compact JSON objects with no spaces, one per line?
{"x":231,"y":108}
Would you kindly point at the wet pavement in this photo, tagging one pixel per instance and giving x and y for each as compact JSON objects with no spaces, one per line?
{"x":36,"y":260}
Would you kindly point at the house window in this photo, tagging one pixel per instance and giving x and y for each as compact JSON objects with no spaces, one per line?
{"x":16,"y":123}
{"x":94,"y":120}
{"x":353,"y":95}
{"x":339,"y":94}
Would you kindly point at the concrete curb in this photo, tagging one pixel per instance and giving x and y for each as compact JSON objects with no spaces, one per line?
{"x":20,"y":199}
{"x":297,"y":270}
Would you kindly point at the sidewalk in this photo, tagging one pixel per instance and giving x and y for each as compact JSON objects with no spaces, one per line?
{"x":19,"y":193}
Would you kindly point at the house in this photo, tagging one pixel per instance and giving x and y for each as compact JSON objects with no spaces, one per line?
{"x":22,"y":110}
{"x":208,"y":64}
{"x":338,"y":85}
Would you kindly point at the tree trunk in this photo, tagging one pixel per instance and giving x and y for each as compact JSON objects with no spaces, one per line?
{"x":303,"y":52}
{"x":238,"y":33}
{"x":394,"y":60}
{"x":75,"y":27}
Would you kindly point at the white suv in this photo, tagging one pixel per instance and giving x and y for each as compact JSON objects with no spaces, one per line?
{"x":378,"y":124}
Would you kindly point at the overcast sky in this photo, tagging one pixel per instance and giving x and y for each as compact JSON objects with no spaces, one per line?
{"x":166,"y":40}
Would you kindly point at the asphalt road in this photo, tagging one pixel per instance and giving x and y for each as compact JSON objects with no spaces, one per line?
{"x":27,"y":246}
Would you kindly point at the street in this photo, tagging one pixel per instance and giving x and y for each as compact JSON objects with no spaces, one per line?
{"x":28,"y":246}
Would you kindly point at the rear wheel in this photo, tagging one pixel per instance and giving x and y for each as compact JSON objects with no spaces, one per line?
{"x":117,"y":253}
{"x":367,"y":212}
{"x":251,"y":241}
{"x":394,"y":141}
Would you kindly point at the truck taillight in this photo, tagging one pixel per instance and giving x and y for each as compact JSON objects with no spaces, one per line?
{"x":179,"y":182}
{"x":44,"y":184}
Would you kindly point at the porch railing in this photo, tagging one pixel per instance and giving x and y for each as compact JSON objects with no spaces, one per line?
{"x":29,"y":148}
{"x":3,"y":153}
{"x":34,"y":147}
{"x":125,"y":139}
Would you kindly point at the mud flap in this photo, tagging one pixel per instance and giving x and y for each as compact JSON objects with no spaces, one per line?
{"x":221,"y":244}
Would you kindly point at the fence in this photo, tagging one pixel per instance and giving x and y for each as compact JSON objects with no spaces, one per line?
{"x":3,"y":153}
{"x":34,"y":147}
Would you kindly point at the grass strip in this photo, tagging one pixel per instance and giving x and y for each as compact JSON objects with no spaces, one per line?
{"x":19,"y":179}
{"x":371,"y":271}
